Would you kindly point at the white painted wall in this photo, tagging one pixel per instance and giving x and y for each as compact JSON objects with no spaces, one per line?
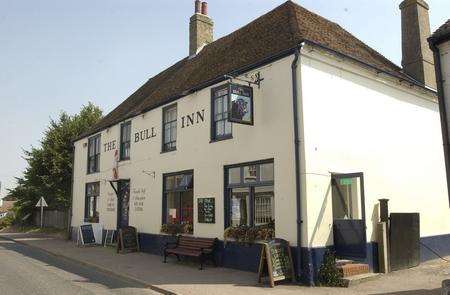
{"x":355,"y":121}
{"x":270,"y":137}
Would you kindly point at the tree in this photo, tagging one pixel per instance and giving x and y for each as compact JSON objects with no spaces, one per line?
{"x":49,"y":170}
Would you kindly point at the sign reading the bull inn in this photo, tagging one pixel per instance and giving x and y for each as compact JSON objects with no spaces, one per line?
{"x":240,"y":104}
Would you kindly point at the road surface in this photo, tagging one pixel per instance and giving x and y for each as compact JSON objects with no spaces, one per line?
{"x":27,"y":270}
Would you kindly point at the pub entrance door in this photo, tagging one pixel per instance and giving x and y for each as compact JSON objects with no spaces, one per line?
{"x":349,"y":219}
{"x":123,"y":203}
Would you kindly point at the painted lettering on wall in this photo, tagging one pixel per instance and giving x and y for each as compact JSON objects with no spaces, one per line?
{"x":193,"y":118}
{"x":139,"y":199}
{"x":144,"y":134}
{"x":109,"y":146}
{"x":111,"y":202}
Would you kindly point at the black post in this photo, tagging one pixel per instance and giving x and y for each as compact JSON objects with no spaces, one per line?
{"x":384,"y":210}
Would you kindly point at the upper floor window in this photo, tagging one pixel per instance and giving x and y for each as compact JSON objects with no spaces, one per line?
{"x":94,"y":154}
{"x":221,"y":127}
{"x":91,"y":202}
{"x":169,"y":128}
{"x":125,"y":140}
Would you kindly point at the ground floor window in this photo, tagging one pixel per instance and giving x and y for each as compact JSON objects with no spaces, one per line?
{"x":249,"y":194}
{"x":91,"y":202}
{"x":178,"y":200}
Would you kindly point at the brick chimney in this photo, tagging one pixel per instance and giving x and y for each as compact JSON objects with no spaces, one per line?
{"x":200,"y":28}
{"x":417,"y":58}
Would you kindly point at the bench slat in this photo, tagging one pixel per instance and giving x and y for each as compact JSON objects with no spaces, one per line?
{"x":199,"y":245}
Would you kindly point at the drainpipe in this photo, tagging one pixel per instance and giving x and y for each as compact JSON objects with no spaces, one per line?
{"x":442,"y":112}
{"x":294,"y":67}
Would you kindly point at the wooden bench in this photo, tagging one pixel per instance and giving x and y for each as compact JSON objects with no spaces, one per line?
{"x":201,"y":248}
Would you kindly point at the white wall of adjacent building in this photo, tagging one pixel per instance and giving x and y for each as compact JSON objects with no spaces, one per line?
{"x":357,"y":121}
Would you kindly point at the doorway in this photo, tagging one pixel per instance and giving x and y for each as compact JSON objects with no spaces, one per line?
{"x":123,"y":203}
{"x":349,"y":219}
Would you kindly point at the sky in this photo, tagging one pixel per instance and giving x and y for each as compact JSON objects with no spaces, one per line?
{"x":59,"y":55}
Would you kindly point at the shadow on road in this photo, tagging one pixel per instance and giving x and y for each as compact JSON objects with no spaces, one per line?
{"x":89,"y":274}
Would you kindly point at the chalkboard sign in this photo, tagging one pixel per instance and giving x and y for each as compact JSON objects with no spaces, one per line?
{"x":127,"y":240}
{"x":109,"y":237}
{"x":276,"y":261}
{"x":206,"y":210}
{"x":86,"y":235}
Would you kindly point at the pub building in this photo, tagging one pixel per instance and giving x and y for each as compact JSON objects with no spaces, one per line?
{"x":289,"y":122}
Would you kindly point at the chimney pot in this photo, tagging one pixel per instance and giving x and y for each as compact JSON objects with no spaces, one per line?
{"x":198,"y":5}
{"x":205,"y":8}
{"x":201,"y":28}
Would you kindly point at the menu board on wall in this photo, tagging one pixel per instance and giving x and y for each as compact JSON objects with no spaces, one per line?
{"x":276,"y":261}
{"x":206,"y":210}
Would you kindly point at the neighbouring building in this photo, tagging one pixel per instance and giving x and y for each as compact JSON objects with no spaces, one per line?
{"x":289,"y":120}
{"x":7,"y":205}
{"x":440,"y":45}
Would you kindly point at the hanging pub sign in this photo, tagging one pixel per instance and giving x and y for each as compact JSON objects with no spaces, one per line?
{"x":240,"y":104}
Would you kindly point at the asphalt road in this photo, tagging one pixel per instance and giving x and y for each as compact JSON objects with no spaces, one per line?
{"x":26,"y":270}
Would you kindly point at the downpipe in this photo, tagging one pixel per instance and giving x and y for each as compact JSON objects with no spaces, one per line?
{"x":303,"y":274}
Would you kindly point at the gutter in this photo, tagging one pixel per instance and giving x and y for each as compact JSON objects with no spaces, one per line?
{"x":442,"y":110}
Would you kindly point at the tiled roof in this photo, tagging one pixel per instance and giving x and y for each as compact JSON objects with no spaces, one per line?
{"x":441,"y":34}
{"x":275,"y":32}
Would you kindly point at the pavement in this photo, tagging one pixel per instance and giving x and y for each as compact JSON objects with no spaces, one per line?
{"x":185,"y":278}
{"x":28,"y":270}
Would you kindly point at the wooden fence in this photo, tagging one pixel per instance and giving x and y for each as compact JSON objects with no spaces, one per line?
{"x":52,"y":218}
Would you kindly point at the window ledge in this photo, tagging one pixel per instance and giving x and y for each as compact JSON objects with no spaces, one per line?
{"x":91,"y":173}
{"x":168,"y":151}
{"x":221,"y":139}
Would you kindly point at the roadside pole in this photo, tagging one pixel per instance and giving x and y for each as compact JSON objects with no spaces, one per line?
{"x":42,"y":203}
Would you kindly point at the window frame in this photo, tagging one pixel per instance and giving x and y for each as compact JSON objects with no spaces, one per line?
{"x":165,"y":191}
{"x":87,"y":202}
{"x":163,"y":124}
{"x":242,"y":184}
{"x":122,"y":143}
{"x":96,"y":156}
{"x":214,"y":137}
